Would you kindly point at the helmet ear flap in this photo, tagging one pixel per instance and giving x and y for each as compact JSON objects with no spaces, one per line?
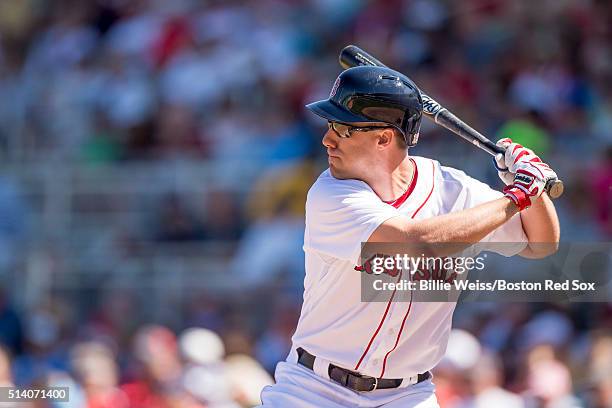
{"x":413,"y":140}
{"x":413,"y":129}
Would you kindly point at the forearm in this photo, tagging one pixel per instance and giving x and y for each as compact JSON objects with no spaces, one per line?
{"x":449,"y":233}
{"x":541,"y":225}
{"x":468,"y":226}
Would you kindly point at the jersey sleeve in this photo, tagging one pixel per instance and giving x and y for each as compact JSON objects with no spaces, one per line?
{"x":472,"y":192}
{"x":340,"y":215}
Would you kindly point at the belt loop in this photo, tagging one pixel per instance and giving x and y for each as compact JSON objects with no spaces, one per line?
{"x":321,"y":368}
{"x":344,"y":378}
{"x":293,"y":356}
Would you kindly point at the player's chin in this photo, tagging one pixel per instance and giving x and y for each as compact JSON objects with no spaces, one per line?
{"x":337,"y":172}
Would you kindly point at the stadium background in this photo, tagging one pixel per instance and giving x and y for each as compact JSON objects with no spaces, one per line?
{"x":155,"y":161}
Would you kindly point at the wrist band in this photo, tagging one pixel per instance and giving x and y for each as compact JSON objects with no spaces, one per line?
{"x":517,"y":196}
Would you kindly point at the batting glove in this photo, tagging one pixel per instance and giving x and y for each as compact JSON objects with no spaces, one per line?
{"x":529,"y":181}
{"x":506,"y":164}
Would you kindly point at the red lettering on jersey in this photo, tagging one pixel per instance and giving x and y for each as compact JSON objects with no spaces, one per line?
{"x":368,"y":266}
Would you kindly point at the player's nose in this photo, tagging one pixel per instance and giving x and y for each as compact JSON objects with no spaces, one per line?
{"x":329,"y":139}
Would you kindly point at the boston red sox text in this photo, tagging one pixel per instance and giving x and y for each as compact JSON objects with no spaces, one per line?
{"x":477,"y":285}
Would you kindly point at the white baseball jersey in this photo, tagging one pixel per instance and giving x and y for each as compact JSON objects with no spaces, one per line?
{"x":379,"y":339}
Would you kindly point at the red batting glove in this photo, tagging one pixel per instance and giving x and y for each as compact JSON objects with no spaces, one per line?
{"x":529,"y":182}
{"x":507,"y":163}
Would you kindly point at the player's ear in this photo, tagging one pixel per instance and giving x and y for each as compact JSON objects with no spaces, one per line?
{"x":385,"y":138}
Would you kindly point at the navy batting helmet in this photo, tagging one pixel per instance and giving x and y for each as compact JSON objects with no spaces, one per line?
{"x":370,"y":94}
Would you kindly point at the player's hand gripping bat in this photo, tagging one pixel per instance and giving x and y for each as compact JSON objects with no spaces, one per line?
{"x":352,"y":56}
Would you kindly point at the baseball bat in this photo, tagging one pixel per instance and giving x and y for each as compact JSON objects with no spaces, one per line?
{"x":352,"y":56}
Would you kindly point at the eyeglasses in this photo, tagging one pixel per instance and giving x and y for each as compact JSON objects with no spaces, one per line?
{"x":344,"y":131}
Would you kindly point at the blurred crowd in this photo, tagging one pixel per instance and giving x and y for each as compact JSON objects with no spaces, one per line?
{"x":159,"y":370}
{"x":113,"y":84}
{"x":527,"y":355}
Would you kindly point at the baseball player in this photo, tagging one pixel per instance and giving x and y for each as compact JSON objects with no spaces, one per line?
{"x":349,"y":353}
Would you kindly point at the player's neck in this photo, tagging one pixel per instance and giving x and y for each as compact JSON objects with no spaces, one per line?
{"x":391,"y":182}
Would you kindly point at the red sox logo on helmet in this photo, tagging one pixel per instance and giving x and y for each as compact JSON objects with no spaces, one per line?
{"x":335,"y":88}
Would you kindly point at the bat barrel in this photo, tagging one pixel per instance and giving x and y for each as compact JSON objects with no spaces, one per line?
{"x":353,"y":56}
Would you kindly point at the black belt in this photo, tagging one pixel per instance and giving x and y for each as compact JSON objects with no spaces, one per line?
{"x":354,"y":380}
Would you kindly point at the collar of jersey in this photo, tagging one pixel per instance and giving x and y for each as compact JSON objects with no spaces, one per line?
{"x":400,"y":200}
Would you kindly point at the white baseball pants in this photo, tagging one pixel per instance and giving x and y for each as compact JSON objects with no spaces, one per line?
{"x":298,"y":387}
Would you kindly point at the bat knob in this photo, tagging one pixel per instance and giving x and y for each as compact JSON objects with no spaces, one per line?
{"x":554,"y":188}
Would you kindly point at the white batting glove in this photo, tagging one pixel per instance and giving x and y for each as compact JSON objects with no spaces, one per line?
{"x":506,"y":164}
{"x":529,"y":181}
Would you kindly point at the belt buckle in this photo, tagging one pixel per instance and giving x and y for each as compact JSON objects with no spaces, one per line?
{"x":375,"y":384}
